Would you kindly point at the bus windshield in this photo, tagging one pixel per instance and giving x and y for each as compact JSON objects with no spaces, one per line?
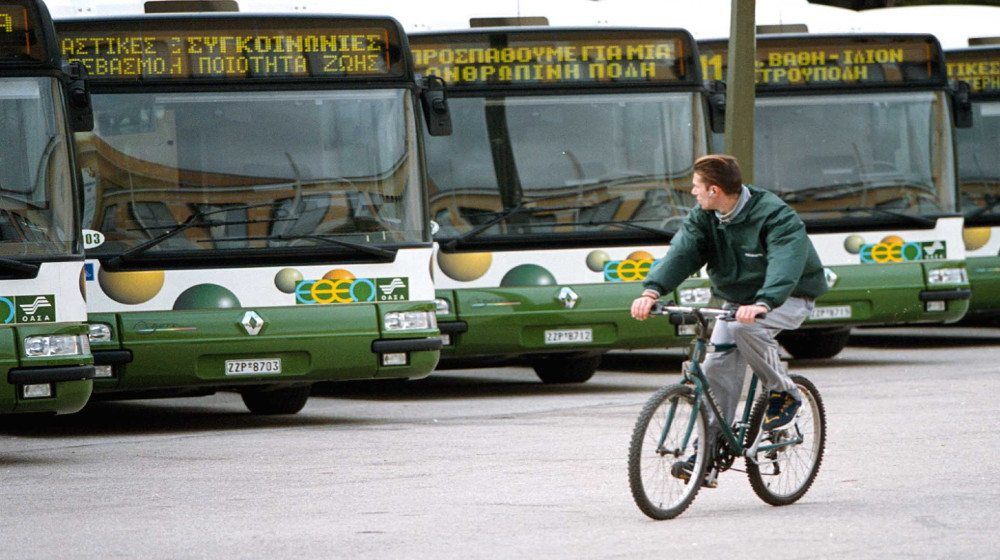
{"x":567,"y":164}
{"x":978,"y":162}
{"x":268,"y":170}
{"x":887,"y":154}
{"x":36,"y":187}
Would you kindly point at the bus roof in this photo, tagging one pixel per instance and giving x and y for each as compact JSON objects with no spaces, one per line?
{"x":232,"y":48}
{"x":558,"y":57}
{"x":26,"y":35}
{"x":800,"y":62}
{"x":977,"y":66}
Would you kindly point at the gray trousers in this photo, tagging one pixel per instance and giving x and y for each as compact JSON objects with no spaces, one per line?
{"x":756,"y":347}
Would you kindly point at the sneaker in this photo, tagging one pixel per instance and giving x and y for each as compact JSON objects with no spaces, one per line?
{"x":682,"y":470}
{"x":781,"y":409}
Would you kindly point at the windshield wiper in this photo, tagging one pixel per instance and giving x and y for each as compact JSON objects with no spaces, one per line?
{"x":388,"y":254}
{"x":921,"y":220}
{"x":503,"y":215}
{"x":991,"y":203}
{"x":667,"y":233}
{"x":844,"y":189}
{"x":194,"y":220}
{"x":18,"y":269}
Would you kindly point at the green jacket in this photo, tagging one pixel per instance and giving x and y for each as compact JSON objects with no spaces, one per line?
{"x":762,"y":256}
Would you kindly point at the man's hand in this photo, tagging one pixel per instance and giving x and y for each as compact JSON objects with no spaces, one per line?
{"x":745,"y":313}
{"x":641,"y":306}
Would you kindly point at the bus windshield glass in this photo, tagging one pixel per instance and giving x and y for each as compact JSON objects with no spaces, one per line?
{"x":567,"y":164}
{"x":269,"y":170}
{"x":36,"y":187}
{"x":978,"y":162}
{"x":887,"y":154}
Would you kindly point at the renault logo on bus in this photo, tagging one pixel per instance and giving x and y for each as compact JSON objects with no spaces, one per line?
{"x":252,"y":323}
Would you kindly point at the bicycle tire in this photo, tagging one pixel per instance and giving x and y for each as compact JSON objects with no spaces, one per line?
{"x":658,"y":493}
{"x":785,"y":481}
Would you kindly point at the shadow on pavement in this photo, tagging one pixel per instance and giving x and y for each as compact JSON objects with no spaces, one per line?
{"x":453,"y":385}
{"x":926,"y":337}
{"x":115,"y":418}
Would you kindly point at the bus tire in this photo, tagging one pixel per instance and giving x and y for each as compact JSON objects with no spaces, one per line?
{"x":285,"y":400}
{"x":566,"y":369}
{"x":815,"y":343}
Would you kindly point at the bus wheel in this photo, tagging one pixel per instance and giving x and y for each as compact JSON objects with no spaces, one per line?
{"x":566,"y":369}
{"x":815,"y":343}
{"x":286,"y":400}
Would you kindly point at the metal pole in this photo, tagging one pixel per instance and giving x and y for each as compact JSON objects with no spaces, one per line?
{"x":740,"y":85}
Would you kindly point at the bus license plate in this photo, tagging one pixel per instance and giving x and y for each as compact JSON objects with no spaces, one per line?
{"x":253,"y":367}
{"x":569,"y":336}
{"x":831,"y":312}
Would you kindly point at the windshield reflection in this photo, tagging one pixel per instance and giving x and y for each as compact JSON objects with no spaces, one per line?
{"x":252,"y":171}
{"x":979,"y":166}
{"x":36,"y":188}
{"x":838,"y":156}
{"x":565,"y":164}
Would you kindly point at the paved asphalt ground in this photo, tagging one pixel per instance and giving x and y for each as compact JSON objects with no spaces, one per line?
{"x":493,"y":464}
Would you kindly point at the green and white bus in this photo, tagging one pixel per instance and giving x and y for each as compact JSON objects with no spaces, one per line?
{"x":44,"y":349}
{"x":979,"y":171}
{"x":256,"y":211}
{"x":568,"y":171}
{"x":856,"y":133}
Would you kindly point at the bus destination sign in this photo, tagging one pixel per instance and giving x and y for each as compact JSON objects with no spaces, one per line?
{"x":833,"y":61}
{"x":21,"y":33}
{"x":249,"y":50}
{"x":492,"y":58}
{"x":980,"y":68}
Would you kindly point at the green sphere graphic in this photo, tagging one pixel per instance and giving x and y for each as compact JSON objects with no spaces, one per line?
{"x":596,"y":260}
{"x":206,"y":296}
{"x":287,"y":279}
{"x":528,"y":275}
{"x":853,"y":244}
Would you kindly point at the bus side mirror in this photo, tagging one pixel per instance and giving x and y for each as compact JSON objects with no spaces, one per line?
{"x":717,"y":106}
{"x":435,"y":104}
{"x":81,"y":113}
{"x":962,"y":105}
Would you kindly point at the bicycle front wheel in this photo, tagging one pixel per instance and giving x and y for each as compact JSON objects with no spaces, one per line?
{"x":666,"y":434}
{"x":783,"y":475}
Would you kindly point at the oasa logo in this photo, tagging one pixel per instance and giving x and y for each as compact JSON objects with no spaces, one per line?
{"x":351,"y":290}
{"x":628,"y":270}
{"x":903,"y":251}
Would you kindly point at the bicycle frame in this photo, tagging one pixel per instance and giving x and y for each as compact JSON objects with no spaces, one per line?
{"x":694,"y":374}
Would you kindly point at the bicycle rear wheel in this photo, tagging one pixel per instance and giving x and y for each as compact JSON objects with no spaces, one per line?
{"x":666,"y":423}
{"x":782,"y":476}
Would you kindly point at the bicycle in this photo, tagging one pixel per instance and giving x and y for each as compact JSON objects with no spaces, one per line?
{"x":781,"y":464}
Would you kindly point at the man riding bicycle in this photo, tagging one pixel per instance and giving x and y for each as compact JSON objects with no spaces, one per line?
{"x":758,"y":257}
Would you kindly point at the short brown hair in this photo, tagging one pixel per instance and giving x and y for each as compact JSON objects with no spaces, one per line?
{"x":721,"y":170}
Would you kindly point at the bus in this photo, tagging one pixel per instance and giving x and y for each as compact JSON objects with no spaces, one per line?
{"x":979,"y":171}
{"x":567,"y":173}
{"x":44,"y":342}
{"x":255,"y":214}
{"x":855,"y":131}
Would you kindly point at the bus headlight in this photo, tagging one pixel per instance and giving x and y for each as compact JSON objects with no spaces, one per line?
{"x":100,"y":332}
{"x":947,"y":276}
{"x":409,"y":320}
{"x":695,"y":296}
{"x":443,"y":306}
{"x":56,"y":345}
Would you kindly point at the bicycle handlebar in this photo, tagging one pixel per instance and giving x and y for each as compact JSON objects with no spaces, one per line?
{"x":680,"y":314}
